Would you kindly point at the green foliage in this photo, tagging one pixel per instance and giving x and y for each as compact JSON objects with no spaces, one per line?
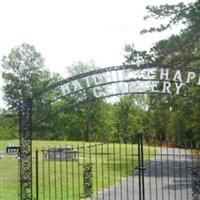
{"x":89,"y":121}
{"x":177,"y":118}
{"x":180,"y":12}
{"x":80,"y":67}
{"x":22,"y":72}
{"x":172,"y":117}
{"x":24,"y":75}
{"x":93,"y":121}
{"x":8,"y":126}
{"x":179,"y":49}
{"x":130,"y":118}
{"x":132,"y":53}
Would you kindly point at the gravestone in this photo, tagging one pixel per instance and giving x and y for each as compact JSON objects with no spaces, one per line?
{"x":66,"y":153}
{"x":1,"y":155}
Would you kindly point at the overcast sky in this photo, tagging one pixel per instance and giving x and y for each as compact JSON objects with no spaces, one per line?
{"x":65,"y":31}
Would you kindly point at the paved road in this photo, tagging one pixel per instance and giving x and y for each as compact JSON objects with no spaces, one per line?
{"x":167,"y":177}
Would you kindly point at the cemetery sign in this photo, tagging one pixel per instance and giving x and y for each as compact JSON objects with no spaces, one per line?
{"x":106,"y":82}
{"x":13,"y":150}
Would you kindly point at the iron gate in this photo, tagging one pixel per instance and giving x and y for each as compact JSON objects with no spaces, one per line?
{"x":146,"y":170}
{"x":169,"y":171}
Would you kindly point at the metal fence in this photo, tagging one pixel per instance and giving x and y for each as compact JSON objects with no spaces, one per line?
{"x":116,"y":171}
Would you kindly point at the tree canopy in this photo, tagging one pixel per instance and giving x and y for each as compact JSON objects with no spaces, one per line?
{"x":23,"y":71}
{"x":173,"y":117}
{"x":165,"y":117}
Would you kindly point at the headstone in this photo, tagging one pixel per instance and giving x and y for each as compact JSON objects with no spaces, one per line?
{"x":1,"y":155}
{"x":67,"y":153}
{"x":13,"y":150}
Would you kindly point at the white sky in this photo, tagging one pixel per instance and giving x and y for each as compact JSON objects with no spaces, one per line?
{"x":65,"y":31}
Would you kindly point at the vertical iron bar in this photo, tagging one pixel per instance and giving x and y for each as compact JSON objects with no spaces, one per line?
{"x":149,"y":158}
{"x":108,"y":163}
{"x":114,"y":160}
{"x":19,"y":177}
{"x":61,"y":181}
{"x":90,"y":159}
{"x":126,"y":160}
{"x":174,"y":172}
{"x":43,"y":175}
{"x":37,"y":175}
{"x":120,"y":169}
{"x":192,"y":158}
{"x":168,"y":170}
{"x":180,"y":173}
{"x":67,"y":175}
{"x":84,"y":153}
{"x":186,"y":169}
{"x":139,"y":166}
{"x":142,"y":165}
{"x":161,"y":171}
{"x":132,"y":167}
{"x":73,"y":187}
{"x":102,"y":169}
{"x":49,"y":175}
{"x":79,"y":186}
{"x":55,"y":179}
{"x":96,"y":166}
{"x":156,"y":173}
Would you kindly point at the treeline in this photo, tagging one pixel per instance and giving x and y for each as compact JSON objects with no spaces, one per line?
{"x":97,"y":120}
{"x":164,"y":117}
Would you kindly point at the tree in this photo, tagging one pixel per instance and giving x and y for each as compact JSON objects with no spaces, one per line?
{"x":80,"y":67}
{"x":130,"y":118}
{"x":24,"y":75}
{"x":94,"y":113}
{"x":8,"y":125}
{"x":131,"y":55}
{"x":171,"y":116}
{"x":23,"y":72}
{"x":183,"y":48}
{"x":181,"y":120}
{"x":67,"y":119}
{"x":187,"y":14}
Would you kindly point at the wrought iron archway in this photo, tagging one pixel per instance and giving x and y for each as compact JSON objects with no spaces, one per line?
{"x":126,"y":79}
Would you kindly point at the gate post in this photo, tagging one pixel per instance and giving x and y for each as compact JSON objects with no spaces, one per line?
{"x":195,"y":183}
{"x":141,"y":167}
{"x":25,"y":108}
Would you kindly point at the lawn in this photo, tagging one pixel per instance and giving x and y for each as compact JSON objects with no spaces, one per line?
{"x":64,"y":179}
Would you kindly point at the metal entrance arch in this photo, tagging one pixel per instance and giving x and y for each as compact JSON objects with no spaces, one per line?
{"x":103,"y":83}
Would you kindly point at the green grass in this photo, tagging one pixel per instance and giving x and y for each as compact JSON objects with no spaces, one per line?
{"x":63,"y":180}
